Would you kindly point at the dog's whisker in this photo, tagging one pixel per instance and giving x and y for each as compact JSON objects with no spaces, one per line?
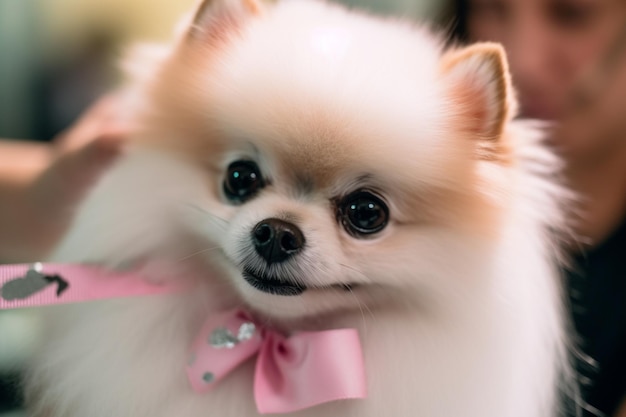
{"x":351,"y":268}
{"x":361,"y":305}
{"x":198,"y":253}
{"x":363,"y":308}
{"x":204,"y":211}
{"x":358,"y":301}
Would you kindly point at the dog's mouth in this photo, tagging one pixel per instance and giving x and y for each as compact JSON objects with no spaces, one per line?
{"x":273,"y":285}
{"x":279,"y":286}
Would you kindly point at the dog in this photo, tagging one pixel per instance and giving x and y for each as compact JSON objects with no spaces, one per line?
{"x":320,"y":169}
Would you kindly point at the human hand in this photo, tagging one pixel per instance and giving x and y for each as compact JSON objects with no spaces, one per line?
{"x":37,"y":202}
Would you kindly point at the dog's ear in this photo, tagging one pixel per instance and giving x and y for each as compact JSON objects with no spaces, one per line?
{"x":478,"y":81}
{"x":217,"y":19}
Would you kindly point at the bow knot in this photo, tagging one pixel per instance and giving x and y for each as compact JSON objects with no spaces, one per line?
{"x":291,"y":373}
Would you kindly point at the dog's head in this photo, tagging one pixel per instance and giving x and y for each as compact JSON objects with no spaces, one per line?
{"x":345,"y":160}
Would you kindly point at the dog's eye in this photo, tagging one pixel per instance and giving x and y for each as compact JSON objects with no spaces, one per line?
{"x":363,"y":213}
{"x":243,"y":180}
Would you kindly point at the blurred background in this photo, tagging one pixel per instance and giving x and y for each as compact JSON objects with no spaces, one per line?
{"x":56,"y":58}
{"x":59,"y":55}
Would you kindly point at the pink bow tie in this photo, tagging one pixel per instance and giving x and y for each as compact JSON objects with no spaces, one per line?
{"x":306,"y":369}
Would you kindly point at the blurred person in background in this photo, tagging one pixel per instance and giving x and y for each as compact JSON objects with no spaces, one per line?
{"x":568,"y":62}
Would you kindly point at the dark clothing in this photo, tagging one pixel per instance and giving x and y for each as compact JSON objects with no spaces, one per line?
{"x":598,"y":296}
{"x":10,"y":396}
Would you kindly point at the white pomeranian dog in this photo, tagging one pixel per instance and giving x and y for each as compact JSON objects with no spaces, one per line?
{"x":321,"y":169}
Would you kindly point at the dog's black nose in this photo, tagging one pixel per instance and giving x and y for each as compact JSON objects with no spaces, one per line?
{"x":276,"y":240}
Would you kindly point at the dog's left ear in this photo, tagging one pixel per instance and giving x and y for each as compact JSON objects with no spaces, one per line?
{"x":478,"y":81}
{"x":215,"y":19}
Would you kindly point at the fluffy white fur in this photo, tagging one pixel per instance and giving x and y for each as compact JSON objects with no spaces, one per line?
{"x":458,"y":303}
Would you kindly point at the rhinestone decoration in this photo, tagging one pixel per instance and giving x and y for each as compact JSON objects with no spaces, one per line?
{"x":246,"y":331}
{"x":208,"y":377}
{"x":223,"y":338}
